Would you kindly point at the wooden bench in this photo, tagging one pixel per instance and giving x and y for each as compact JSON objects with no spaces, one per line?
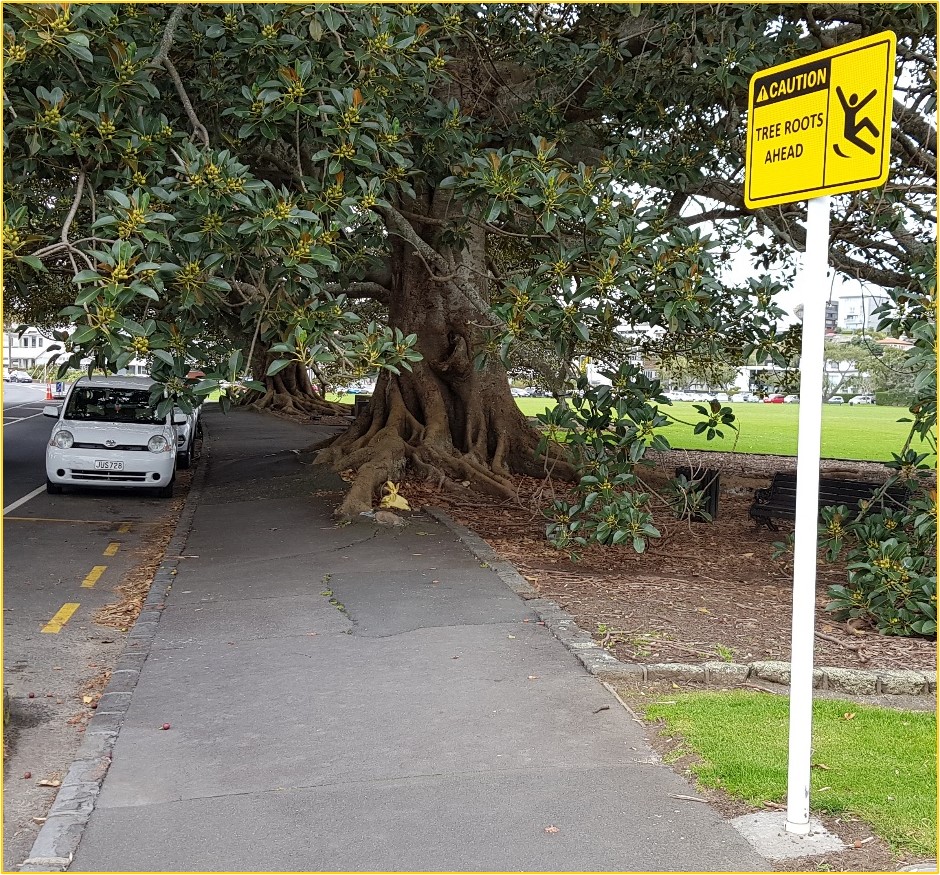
{"x":778,"y":501}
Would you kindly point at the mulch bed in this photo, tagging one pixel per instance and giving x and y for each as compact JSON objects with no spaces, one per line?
{"x":704,"y":591}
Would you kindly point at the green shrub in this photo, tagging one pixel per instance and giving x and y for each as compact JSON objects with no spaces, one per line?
{"x":894,"y":398}
{"x":890,"y":556}
{"x":608,"y":430}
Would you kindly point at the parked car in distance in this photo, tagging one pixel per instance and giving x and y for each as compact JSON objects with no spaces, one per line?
{"x":837,"y":399}
{"x":16,"y":377}
{"x":791,"y":399}
{"x":188,"y":437}
{"x":862,"y":399}
{"x":774,"y":399}
{"x":107,"y":434}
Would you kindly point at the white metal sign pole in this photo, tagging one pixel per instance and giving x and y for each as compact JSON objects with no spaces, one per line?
{"x":813,"y":284}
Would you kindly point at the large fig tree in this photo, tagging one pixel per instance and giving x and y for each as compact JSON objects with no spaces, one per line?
{"x":225,"y":185}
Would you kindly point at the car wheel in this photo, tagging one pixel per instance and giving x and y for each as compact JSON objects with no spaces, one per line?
{"x":53,"y":488}
{"x":183,"y":460}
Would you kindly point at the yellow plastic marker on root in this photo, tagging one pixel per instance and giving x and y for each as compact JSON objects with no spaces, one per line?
{"x":93,"y":576}
{"x":54,"y":626}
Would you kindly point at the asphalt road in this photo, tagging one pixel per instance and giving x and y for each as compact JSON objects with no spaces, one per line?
{"x":63,"y":556}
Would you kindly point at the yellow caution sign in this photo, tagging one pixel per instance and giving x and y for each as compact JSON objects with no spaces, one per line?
{"x":821,"y":125}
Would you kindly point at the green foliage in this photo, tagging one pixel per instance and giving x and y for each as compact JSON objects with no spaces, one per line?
{"x":219,"y":177}
{"x":608,"y":431}
{"x":890,"y":554}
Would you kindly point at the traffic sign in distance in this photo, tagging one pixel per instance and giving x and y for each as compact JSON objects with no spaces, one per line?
{"x":821,"y":125}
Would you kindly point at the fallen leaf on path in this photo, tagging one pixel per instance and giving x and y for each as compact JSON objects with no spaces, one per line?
{"x":533,"y":677}
{"x":88,"y":699}
{"x":45,"y":782}
{"x":552,"y":829}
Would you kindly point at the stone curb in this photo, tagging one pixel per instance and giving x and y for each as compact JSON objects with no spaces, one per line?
{"x":606,"y":666}
{"x":58,"y":838}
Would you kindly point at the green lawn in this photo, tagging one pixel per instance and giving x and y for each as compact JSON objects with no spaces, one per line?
{"x":876,"y":763}
{"x":867,"y":433}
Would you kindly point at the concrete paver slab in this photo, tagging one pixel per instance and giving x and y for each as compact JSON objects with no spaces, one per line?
{"x":381,"y":604}
{"x":481,"y":822}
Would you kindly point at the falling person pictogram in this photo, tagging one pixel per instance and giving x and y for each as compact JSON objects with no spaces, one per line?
{"x":853,"y":126}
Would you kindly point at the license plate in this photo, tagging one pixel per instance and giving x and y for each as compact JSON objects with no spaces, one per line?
{"x":109,"y":465}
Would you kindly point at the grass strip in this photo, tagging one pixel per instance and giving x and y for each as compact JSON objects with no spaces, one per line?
{"x":876,"y":763}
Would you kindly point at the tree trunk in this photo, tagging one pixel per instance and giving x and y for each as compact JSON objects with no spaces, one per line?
{"x":447,"y":420}
{"x":288,"y":391}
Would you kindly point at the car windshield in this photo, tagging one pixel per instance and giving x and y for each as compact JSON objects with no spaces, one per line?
{"x":109,"y":404}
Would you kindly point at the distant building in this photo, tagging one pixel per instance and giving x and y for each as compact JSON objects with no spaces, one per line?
{"x":832,"y":315}
{"x":855,"y":311}
{"x":895,"y":343}
{"x":29,"y":350}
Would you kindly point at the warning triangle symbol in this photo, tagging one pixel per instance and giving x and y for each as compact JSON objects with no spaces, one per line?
{"x":763,"y":94}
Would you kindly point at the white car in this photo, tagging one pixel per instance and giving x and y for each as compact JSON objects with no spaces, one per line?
{"x":862,"y":399}
{"x":188,"y":437}
{"x":106,"y":434}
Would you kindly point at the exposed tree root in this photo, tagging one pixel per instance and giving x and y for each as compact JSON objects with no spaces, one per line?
{"x":389,"y":437}
{"x":290,"y":392}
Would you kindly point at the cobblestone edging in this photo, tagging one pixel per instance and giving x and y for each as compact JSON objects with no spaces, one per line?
{"x":604,"y":665}
{"x":58,"y":838}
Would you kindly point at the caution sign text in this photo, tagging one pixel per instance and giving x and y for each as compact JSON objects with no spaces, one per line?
{"x":821,"y":125}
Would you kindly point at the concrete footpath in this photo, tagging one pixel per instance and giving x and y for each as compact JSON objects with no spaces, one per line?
{"x":355,"y":698}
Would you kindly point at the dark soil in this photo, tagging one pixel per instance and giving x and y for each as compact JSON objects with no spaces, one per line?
{"x":703,"y":591}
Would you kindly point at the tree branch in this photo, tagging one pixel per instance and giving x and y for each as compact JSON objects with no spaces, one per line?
{"x":79,"y":186}
{"x":162,"y":59}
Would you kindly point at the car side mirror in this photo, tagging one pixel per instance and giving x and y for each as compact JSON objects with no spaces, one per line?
{"x":50,"y":410}
{"x":179,"y":418}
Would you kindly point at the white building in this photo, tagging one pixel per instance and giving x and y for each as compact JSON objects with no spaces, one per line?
{"x":27,"y":351}
{"x":855,"y":311}
{"x":31,"y":352}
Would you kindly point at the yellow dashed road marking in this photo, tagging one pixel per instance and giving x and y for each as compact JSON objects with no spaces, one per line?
{"x":125,"y":528}
{"x":61,"y":617}
{"x":112,"y":548}
{"x":93,"y":576}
